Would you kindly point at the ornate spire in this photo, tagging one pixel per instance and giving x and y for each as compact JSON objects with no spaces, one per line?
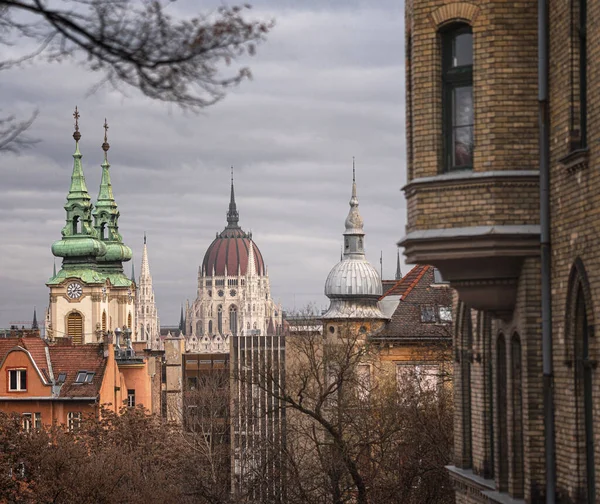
{"x":76,"y":134}
{"x":232,"y":215}
{"x":79,"y":245}
{"x":34,"y":323}
{"x":106,"y":219}
{"x":105,"y":145}
{"x":78,"y":191}
{"x":353,"y":235}
{"x":398,"y":270}
{"x":147,"y":314}
{"x":145,"y":267}
{"x":182,"y":322}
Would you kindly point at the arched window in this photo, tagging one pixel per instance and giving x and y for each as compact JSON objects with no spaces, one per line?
{"x":76,"y":225}
{"x":103,"y":231}
{"x":104,"y":321}
{"x":75,"y":327}
{"x":129,"y":320}
{"x":517,"y":420}
{"x":457,"y":99}
{"x":220,"y":319}
{"x":210,"y":327}
{"x":199,"y":328}
{"x":233,"y":319}
{"x":465,"y":348}
{"x":580,"y":356}
{"x":501,"y":380}
{"x":584,"y":416}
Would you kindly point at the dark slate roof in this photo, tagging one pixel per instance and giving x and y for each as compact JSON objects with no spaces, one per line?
{"x":417,"y":289}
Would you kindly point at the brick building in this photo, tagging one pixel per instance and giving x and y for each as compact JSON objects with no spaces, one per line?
{"x":486,"y":130}
{"x":416,"y":339}
{"x":63,"y":383}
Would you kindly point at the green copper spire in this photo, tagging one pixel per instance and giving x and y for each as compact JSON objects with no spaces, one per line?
{"x":106,"y":220}
{"x":79,"y":246}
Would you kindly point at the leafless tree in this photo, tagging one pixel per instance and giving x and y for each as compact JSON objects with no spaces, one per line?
{"x":354,"y":434}
{"x":132,"y":43}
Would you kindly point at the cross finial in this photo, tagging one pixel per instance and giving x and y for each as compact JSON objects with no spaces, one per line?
{"x":76,"y":134}
{"x":105,"y":145}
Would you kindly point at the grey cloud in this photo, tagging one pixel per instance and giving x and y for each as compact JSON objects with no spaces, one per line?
{"x":328,"y":85}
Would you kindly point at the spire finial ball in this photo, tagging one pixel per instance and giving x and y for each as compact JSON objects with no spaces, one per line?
{"x":105,"y":145}
{"x":76,"y":134}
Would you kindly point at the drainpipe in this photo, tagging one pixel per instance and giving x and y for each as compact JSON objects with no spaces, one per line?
{"x":544,"y":125}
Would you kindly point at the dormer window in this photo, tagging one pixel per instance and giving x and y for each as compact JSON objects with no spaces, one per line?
{"x":62,"y":377}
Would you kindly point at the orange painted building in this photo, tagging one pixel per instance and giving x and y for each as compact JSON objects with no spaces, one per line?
{"x":62,"y":383}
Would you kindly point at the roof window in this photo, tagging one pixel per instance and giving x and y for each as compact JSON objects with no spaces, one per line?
{"x":84,"y":377}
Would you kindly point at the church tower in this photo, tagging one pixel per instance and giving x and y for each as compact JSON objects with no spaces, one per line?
{"x":148,"y":325}
{"x":353,"y":285}
{"x":90,"y":294}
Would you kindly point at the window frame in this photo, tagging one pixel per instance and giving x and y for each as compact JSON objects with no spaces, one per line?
{"x":74,"y":420}
{"x":453,"y":78}
{"x":20,"y":373}
{"x":131,"y":398}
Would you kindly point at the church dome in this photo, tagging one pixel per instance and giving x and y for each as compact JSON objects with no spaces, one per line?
{"x":231,"y":248}
{"x":353,"y":278}
{"x":353,"y":284}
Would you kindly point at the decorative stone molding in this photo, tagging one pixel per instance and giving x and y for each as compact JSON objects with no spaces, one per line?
{"x":457,"y":11}
{"x":470,"y":180}
{"x":96,"y":297}
{"x":575,"y":160}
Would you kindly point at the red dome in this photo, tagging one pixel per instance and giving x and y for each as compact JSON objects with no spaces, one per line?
{"x":231,"y":248}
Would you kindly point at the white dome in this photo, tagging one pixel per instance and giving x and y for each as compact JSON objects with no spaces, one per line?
{"x":353,"y":278}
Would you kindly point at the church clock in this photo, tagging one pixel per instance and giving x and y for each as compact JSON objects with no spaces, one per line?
{"x":74,"y":290}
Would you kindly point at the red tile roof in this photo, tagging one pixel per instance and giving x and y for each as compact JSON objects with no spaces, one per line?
{"x":75,"y":358}
{"x":408,"y":282}
{"x":65,"y":358}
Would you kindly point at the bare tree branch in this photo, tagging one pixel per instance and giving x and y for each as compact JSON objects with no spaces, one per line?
{"x":137,"y":44}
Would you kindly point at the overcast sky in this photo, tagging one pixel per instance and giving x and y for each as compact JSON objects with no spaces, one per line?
{"x":328,"y":85}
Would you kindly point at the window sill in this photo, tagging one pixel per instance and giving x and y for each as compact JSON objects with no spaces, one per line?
{"x":575,"y":160}
{"x":487,"y":487}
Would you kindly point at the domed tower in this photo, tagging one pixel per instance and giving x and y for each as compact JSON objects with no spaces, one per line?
{"x":353,"y":285}
{"x":234,"y":293}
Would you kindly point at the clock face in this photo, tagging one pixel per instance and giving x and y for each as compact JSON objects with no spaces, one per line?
{"x":74,"y":290}
{"x":220,"y":293}
{"x":232,"y":292}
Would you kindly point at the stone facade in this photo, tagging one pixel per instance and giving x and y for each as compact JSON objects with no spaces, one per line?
{"x":480,"y":227}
